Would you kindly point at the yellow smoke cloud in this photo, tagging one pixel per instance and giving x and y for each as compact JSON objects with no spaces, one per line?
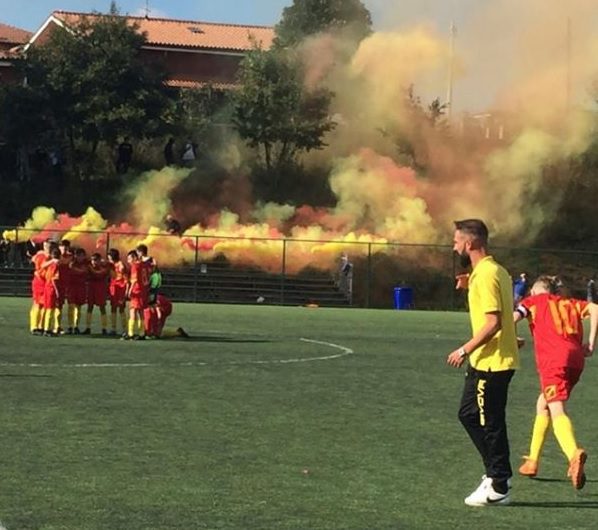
{"x":40,"y":217}
{"x":150,"y":196}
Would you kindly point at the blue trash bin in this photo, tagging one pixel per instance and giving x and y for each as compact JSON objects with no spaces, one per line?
{"x":403,"y":298}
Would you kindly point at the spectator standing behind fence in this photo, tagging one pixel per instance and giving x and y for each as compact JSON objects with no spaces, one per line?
{"x":591,"y":290}
{"x":345,"y":276}
{"x":125,"y":155}
{"x":169,"y":152}
{"x":520,"y":288}
{"x":4,"y":252}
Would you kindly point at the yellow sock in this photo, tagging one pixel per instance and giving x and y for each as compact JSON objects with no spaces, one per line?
{"x":88,"y":319}
{"x":76,"y":315}
{"x":563,"y":431}
{"x":140,"y":326}
{"x":41,"y":318}
{"x":33,"y":317}
{"x":131,"y":327}
{"x":71,"y":315}
{"x":113,"y":320}
{"x":541,"y":425}
{"x":104,"y":320}
{"x":124,"y":321}
{"x":57,"y":319}
{"x":49,"y":313}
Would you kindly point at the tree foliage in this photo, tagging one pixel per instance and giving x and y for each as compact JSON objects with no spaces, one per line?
{"x":275,"y":113}
{"x":309,"y":17}
{"x":87,"y":85}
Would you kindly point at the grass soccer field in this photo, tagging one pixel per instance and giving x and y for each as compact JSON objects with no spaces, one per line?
{"x":268,"y":418}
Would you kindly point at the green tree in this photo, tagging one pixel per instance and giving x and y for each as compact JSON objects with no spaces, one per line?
{"x":309,"y":17}
{"x":97,"y":84}
{"x":275,"y":113}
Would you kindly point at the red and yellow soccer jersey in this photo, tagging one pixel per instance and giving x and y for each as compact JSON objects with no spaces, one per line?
{"x":139,"y":276}
{"x":555,"y":323}
{"x":118,"y":274}
{"x":52,"y":272}
{"x":64,"y":264}
{"x":164,"y":304}
{"x":78,"y":273}
{"x":38,"y":260}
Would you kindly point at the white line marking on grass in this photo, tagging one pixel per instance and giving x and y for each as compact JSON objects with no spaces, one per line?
{"x":343,"y":353}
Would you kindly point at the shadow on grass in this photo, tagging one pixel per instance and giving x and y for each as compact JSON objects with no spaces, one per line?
{"x":549,"y":479}
{"x":25,"y":375}
{"x":593,"y":505}
{"x":194,"y":338}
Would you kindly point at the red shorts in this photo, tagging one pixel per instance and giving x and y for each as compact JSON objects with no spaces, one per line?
{"x":38,"y":287}
{"x":118,"y":295}
{"x":51,"y":299}
{"x":558,"y":383}
{"x":138,"y":300}
{"x":97,"y":293}
{"x":76,"y":294}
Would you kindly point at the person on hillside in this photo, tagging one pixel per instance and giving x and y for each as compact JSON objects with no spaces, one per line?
{"x":169,"y":152}
{"x":493,"y":357}
{"x":172,"y":226}
{"x":556,"y":326}
{"x":124,"y":156}
{"x":189,"y":153}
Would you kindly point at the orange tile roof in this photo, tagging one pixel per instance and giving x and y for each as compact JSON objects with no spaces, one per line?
{"x":190,"y":33}
{"x":12,"y":35}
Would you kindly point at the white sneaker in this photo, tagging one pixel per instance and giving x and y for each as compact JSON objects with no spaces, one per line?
{"x":486,"y":495}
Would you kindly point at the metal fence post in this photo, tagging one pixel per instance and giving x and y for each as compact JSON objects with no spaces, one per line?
{"x":14,"y":265}
{"x":454,"y":273}
{"x":284,"y":270}
{"x":195,"y":274}
{"x":368,"y":285}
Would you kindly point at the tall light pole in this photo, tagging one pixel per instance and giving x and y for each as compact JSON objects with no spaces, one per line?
{"x":568,"y":74}
{"x":451,"y":72}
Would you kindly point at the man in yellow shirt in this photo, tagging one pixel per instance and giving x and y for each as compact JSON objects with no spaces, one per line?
{"x":493,"y":357}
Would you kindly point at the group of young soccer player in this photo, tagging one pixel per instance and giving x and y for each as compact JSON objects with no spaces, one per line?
{"x":65,"y":276}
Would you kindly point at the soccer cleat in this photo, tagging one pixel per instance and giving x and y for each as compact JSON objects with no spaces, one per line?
{"x":69,"y":331}
{"x":486,"y":495}
{"x":529,"y":468}
{"x":104,"y":332}
{"x":76,"y":331}
{"x":576,"y":469}
{"x":37,"y":332}
{"x":86,"y":331}
{"x":182,"y":333}
{"x":125,"y":336}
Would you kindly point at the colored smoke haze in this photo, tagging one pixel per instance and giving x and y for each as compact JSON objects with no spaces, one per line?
{"x":514,"y":50}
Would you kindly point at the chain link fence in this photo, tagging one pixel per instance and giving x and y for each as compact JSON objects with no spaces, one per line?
{"x":376,"y":268}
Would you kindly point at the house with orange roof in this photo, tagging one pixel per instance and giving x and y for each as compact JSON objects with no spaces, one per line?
{"x":11,"y":41}
{"x":194,"y":53}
